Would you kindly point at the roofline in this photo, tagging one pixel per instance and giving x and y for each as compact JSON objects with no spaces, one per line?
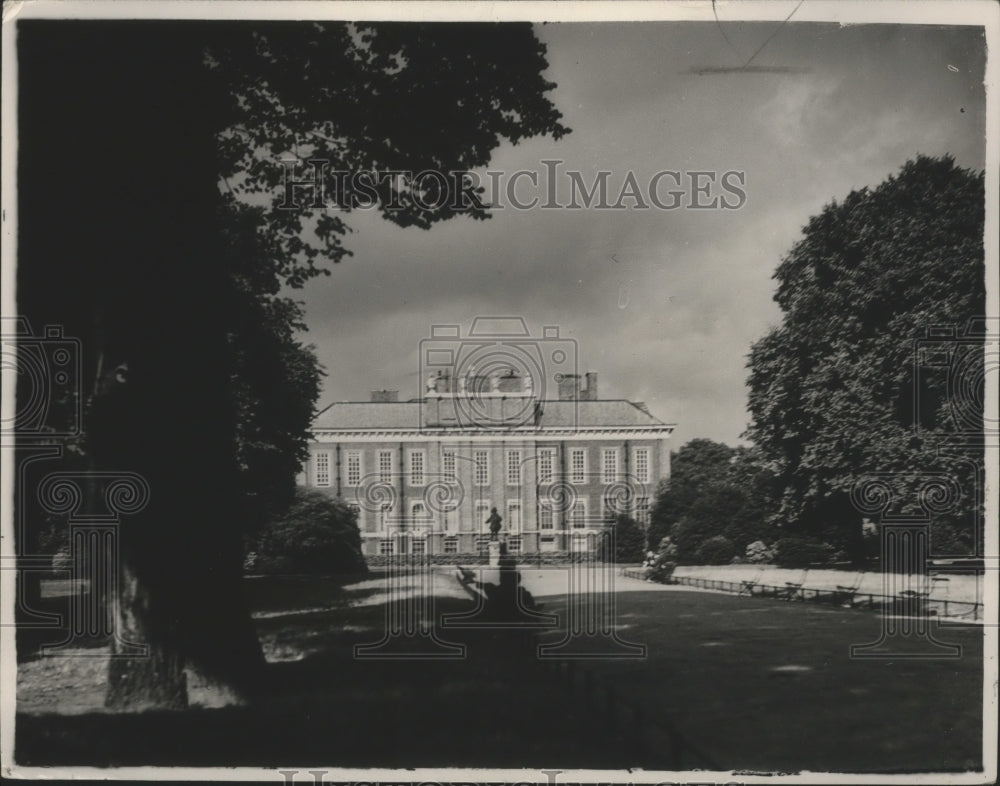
{"x":500,"y":397}
{"x":520,"y":434}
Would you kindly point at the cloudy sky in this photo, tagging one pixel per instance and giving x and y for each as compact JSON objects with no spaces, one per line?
{"x":663,"y":304}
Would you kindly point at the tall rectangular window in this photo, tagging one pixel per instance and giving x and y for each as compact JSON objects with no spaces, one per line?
{"x":513,"y":515}
{"x":578,"y":465}
{"x":513,"y":467}
{"x":322,"y":469}
{"x":578,"y":515}
{"x":416,"y":468}
{"x":545,"y":515}
{"x":385,"y":466}
{"x":482,"y":513}
{"x":482,"y":459}
{"x":642,"y":465}
{"x":546,"y":465}
{"x":448,"y":464}
{"x":609,"y":465}
{"x":354,"y":468}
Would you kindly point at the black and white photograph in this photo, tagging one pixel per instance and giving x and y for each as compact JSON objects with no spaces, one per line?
{"x":515,"y":392}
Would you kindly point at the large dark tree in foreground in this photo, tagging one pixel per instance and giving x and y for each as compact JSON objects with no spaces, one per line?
{"x":149,"y":170}
{"x":834,"y":395}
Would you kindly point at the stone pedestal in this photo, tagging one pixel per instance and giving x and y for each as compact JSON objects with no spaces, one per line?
{"x":494,"y":547}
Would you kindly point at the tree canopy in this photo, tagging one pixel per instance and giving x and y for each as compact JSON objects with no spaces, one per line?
{"x":714,"y":491}
{"x":837,"y":390}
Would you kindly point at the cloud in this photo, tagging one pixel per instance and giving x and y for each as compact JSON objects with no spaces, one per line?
{"x":663,"y":304}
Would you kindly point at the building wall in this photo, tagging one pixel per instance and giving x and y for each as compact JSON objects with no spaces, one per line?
{"x":580,"y":490}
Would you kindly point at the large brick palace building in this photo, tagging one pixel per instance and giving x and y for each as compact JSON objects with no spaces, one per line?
{"x":423,"y":475}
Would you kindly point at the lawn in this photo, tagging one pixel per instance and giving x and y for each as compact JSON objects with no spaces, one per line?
{"x":728,"y":682}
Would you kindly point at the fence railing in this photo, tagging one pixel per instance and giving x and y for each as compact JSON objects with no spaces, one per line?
{"x":847,"y":597}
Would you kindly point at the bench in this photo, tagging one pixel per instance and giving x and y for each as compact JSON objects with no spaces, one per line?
{"x":791,"y":591}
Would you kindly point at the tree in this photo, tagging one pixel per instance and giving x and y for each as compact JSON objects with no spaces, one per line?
{"x":155,"y":147}
{"x":714,"y":490}
{"x":697,"y":464}
{"x":832,"y":388}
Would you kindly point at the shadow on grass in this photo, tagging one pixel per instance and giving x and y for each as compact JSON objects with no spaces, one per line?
{"x":717,"y":678}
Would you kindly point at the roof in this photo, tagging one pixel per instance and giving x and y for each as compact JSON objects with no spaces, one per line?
{"x":443,"y":413}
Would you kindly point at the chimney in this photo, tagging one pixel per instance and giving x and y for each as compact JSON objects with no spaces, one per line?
{"x":510,"y":383}
{"x":569,"y":387}
{"x":385,"y":396}
{"x":591,"y":394}
{"x":442,"y":383}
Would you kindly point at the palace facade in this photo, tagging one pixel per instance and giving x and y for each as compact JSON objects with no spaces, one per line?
{"x":424,"y":475}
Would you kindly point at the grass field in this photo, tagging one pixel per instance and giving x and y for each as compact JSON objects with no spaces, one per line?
{"x":726,"y":682}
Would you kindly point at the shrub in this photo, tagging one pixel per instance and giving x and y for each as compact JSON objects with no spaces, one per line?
{"x":798,"y":552}
{"x":718,"y":550}
{"x":316,"y":534}
{"x":758,"y":553}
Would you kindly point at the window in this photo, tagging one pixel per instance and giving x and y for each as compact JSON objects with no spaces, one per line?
{"x":514,"y":546}
{"x":385,"y":547}
{"x":416,"y":468}
{"x":514,"y":468}
{"x":482,"y":468}
{"x":609,"y":465}
{"x":419,"y":512}
{"x":642,"y":465}
{"x":354,"y":468}
{"x":482,"y":512}
{"x":642,"y":513}
{"x":546,"y":464}
{"x":578,"y":465}
{"x":545,"y":515}
{"x":514,"y":515}
{"x":448,"y":464}
{"x":580,"y":543}
{"x":451,"y":545}
{"x":419,"y":546}
{"x":578,"y":514}
{"x":322,"y":469}
{"x":384,"y":510}
{"x":385,"y":466}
